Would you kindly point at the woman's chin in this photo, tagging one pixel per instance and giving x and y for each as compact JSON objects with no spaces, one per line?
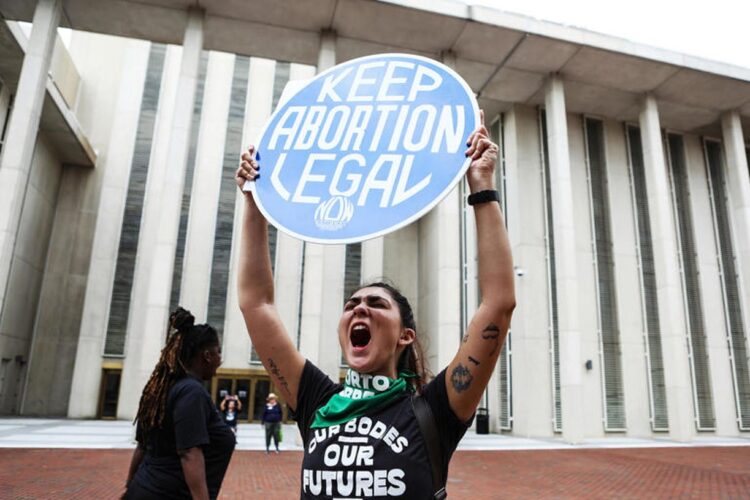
{"x":356,"y":365}
{"x":359,"y":364}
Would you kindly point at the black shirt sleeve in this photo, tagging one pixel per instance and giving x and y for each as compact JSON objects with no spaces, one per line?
{"x":315,"y":389}
{"x":450,"y":428}
{"x":190,"y":414}
{"x":139,"y":438}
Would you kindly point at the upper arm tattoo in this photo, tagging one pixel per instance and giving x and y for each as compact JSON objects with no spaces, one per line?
{"x":277,"y":373}
{"x":492,"y":332}
{"x":461,"y":378}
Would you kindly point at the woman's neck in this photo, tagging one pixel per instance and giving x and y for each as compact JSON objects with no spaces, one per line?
{"x":390,"y":373}
{"x":194,"y":373}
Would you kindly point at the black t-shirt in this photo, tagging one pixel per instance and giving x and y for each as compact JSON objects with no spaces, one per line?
{"x":191,"y":420}
{"x":230,"y":417}
{"x":379,"y":455}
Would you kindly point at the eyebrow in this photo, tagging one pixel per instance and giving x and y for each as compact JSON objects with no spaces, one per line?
{"x":368,"y":298}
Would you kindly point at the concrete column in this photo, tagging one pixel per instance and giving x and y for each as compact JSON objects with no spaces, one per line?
{"x":440,"y":273}
{"x":323,"y":289}
{"x":18,"y":148}
{"x":116,"y":66}
{"x":288,"y":281}
{"x":677,"y":375}
{"x":571,"y":364}
{"x":289,"y":251}
{"x":373,"y":252}
{"x":84,"y":389}
{"x":209,"y":160}
{"x":259,"y":97}
{"x":710,"y":286}
{"x":738,"y":182}
{"x":592,"y":381}
{"x":532,"y":362}
{"x":153,"y":275}
{"x":322,"y":303}
{"x":440,"y":280}
{"x":327,"y":50}
{"x":401,"y":263}
{"x":629,"y":312}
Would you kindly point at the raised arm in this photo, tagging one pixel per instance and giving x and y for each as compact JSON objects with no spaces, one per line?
{"x":256,"y":294}
{"x":470,"y":371}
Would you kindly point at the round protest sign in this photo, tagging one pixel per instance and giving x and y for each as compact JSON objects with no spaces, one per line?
{"x":364,"y":148}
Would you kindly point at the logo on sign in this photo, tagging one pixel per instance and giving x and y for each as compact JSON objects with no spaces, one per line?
{"x":365,"y":148}
{"x":333,"y":214}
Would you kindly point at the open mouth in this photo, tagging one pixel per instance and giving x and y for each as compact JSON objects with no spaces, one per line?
{"x":360,"y":336}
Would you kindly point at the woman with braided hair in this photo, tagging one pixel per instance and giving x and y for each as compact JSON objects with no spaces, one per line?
{"x":184,"y":446}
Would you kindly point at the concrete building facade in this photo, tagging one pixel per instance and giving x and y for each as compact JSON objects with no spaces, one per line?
{"x":623,"y":176}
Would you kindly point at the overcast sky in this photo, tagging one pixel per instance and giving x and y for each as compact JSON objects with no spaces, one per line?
{"x":715,"y":29}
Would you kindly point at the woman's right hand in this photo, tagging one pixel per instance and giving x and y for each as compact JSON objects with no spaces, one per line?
{"x":249,"y":170}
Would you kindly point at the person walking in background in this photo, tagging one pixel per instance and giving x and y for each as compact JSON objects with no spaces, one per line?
{"x":184,"y":447}
{"x":230,"y":407}
{"x":271,"y":420}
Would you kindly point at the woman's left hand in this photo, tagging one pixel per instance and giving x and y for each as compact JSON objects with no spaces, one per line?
{"x":483,"y":154}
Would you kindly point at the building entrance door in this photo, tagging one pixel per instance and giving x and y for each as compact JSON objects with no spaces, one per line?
{"x":109,"y":393}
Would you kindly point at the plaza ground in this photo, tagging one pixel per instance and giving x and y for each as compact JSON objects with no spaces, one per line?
{"x":65,"y":459}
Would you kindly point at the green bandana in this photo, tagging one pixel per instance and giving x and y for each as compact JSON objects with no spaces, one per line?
{"x":362,"y":394}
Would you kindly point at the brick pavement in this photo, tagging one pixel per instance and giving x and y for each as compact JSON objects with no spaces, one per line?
{"x":640,"y":473}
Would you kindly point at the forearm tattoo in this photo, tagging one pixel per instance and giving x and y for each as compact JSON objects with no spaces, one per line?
{"x":492,"y":332}
{"x":277,"y":373}
{"x":461,"y":378}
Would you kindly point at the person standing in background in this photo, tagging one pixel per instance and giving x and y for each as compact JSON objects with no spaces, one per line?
{"x":230,"y":407}
{"x":271,"y":420}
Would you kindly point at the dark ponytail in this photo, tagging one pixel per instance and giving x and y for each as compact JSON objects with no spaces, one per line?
{"x":412,"y":357}
{"x":185,"y":339}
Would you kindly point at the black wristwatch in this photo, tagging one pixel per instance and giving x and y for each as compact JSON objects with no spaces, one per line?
{"x":483,"y":197}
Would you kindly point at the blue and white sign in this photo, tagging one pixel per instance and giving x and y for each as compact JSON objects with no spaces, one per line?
{"x":364,"y":148}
